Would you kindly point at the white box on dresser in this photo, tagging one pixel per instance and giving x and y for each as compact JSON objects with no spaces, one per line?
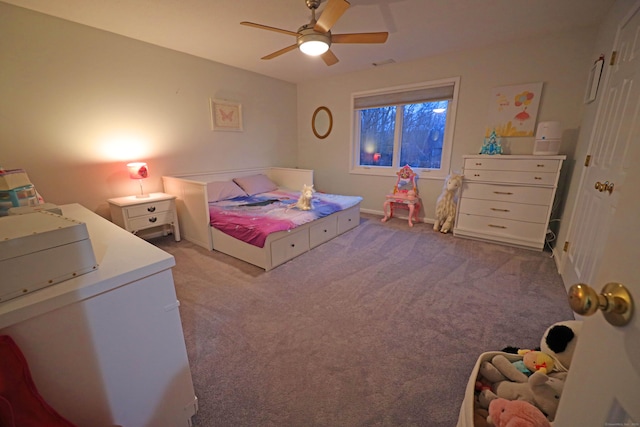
{"x":507,"y":198}
{"x":107,"y":348}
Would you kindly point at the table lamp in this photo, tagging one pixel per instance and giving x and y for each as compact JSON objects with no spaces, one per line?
{"x":139,"y":171}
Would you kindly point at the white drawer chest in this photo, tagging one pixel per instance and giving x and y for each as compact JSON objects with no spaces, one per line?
{"x":508,"y":198}
{"x":135,"y":214}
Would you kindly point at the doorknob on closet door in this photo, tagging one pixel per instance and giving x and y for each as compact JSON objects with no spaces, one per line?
{"x":604,"y":186}
{"x":614,"y":301}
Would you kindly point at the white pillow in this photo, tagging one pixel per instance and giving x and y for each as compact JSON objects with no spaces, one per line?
{"x":255,"y":184}
{"x":223,"y":190}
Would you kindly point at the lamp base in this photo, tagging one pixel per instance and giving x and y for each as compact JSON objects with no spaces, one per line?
{"x":142,"y":196}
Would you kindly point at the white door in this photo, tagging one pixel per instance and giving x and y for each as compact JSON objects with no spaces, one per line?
{"x":609,"y":145}
{"x":603,"y":387}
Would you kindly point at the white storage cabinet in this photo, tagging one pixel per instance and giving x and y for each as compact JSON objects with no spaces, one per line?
{"x":507,"y":199}
{"x":106,"y":348}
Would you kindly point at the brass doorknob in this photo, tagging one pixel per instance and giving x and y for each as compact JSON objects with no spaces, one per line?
{"x":614,"y":301}
{"x":604,"y":186}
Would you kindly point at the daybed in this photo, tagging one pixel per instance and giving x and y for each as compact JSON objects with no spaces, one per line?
{"x":205,"y":198}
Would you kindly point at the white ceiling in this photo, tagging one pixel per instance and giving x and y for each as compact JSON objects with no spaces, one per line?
{"x":417,"y":28}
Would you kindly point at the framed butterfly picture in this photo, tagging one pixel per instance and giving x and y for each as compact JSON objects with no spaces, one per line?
{"x":226,"y":115}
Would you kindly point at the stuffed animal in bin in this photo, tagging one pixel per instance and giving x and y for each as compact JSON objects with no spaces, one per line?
{"x":559,"y":341}
{"x":515,"y":413}
{"x":446,"y":203}
{"x":537,"y":361}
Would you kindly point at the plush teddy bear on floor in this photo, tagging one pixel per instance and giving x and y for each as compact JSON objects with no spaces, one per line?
{"x":515,"y":413}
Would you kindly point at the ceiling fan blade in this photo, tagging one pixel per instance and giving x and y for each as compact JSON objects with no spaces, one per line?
{"x":359,"y":38}
{"x":329,"y":58}
{"x":266,"y":27}
{"x":280,"y":52}
{"x":330,"y":15}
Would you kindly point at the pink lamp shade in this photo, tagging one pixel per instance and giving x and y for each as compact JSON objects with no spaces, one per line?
{"x":139,"y":171}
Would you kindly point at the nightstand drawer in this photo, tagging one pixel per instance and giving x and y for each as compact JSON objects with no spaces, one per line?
{"x":152,"y":220}
{"x":510,"y":193}
{"x":149,"y":208}
{"x":506,"y":210}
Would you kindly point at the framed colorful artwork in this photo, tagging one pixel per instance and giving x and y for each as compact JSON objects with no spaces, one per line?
{"x":226,"y":115}
{"x":513,"y":110}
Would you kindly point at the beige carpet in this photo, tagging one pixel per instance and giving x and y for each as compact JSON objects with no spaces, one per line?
{"x":378,"y":327}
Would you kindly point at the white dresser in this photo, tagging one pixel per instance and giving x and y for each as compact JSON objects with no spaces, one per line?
{"x":106,"y":348}
{"x":507,"y":198}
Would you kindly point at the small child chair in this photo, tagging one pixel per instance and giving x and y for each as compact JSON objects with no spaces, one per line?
{"x":404,"y":195}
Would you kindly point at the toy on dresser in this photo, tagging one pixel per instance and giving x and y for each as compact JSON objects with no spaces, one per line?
{"x":446,"y":204}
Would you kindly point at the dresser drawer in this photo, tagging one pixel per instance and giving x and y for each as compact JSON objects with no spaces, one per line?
{"x":149,"y":208}
{"x":506,"y":164}
{"x":488,"y":226}
{"x":150,"y":220}
{"x":290,"y":246}
{"x":512,"y":177}
{"x":325,"y":230}
{"x":505,"y":210}
{"x":508,"y":193}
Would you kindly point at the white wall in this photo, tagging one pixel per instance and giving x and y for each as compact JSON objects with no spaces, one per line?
{"x":561,"y":61}
{"x":77,"y":103}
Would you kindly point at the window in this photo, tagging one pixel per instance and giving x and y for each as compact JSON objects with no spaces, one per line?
{"x":405,"y":125}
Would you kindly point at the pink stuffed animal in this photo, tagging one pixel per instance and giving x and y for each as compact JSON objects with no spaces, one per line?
{"x":515,"y":413}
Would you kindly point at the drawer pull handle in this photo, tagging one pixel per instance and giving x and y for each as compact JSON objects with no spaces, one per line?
{"x":293,"y":245}
{"x":153,"y":219}
{"x":540,"y":166}
{"x":476,"y":174}
{"x":325,"y":231}
{"x":506,"y":193}
{"x":537,"y":177}
{"x":500,"y":210}
{"x":497,"y":226}
{"x":151,"y":209}
{"x":478,"y":164}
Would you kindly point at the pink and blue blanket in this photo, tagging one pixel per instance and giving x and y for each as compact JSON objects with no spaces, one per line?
{"x":252,"y":218}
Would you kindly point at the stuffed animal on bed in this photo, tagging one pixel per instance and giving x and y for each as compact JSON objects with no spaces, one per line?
{"x":304,"y":201}
{"x":446,"y":204}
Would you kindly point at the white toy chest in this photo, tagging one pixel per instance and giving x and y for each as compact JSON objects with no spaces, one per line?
{"x":41,"y":249}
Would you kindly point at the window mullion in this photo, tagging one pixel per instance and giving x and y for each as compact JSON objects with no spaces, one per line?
{"x":397,"y":137}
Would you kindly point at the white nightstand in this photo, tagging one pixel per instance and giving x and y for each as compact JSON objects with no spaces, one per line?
{"x":135,"y":214}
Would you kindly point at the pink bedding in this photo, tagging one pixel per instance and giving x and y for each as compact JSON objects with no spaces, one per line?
{"x":252,"y":218}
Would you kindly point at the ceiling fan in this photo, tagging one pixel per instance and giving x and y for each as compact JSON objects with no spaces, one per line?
{"x":315,"y":38}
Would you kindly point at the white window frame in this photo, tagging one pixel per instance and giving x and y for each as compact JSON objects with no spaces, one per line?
{"x":447,"y":145}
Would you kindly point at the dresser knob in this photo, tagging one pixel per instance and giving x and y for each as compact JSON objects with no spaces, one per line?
{"x":153,"y":219}
{"x":151,"y":209}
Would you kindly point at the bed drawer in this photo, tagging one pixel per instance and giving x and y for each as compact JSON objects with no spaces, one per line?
{"x":290,"y":246}
{"x":324,"y":230}
{"x":348,"y":219}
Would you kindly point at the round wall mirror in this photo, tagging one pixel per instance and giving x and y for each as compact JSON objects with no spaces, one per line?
{"x":322,"y":122}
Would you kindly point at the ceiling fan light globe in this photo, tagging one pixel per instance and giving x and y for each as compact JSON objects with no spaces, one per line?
{"x":314,"y":47}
